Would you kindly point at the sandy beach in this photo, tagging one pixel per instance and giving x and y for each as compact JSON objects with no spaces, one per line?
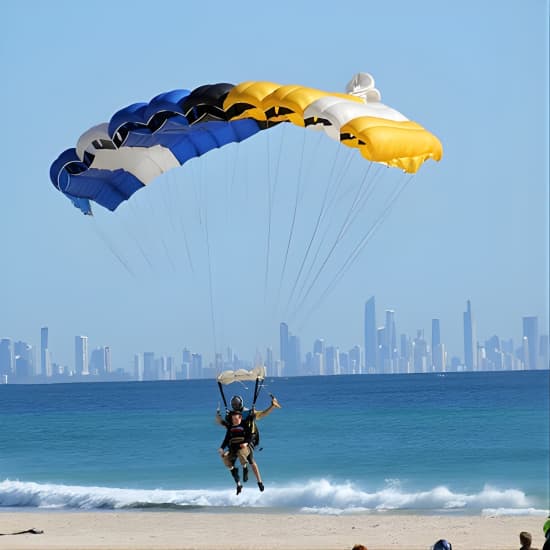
{"x":260,"y":531}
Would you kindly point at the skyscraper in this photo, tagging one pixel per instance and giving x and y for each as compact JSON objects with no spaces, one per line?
{"x":371,"y":344}
{"x":355,"y":360}
{"x":389,"y":346}
{"x":294,"y":356}
{"x":436,"y":333}
{"x":544,"y":345}
{"x":420,"y":353}
{"x":319,"y":346}
{"x":81,"y":355}
{"x":45,"y":365}
{"x":531,"y":332}
{"x":100,"y":361}
{"x":470,"y":346}
{"x":150,"y":370}
{"x":332,"y":355}
{"x":6,"y":357}
{"x":269,"y":362}
{"x":283,"y":343}
{"x":438,"y":350}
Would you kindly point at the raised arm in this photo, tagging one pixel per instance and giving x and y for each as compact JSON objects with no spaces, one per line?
{"x":274,"y":405}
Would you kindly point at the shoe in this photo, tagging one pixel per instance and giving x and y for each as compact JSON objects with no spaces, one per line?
{"x":261,"y":486}
{"x":245,"y":474}
{"x":239,"y":488}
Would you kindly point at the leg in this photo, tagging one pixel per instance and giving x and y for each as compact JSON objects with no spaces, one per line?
{"x":244,"y":456}
{"x":256,"y":471}
{"x":229,"y":461}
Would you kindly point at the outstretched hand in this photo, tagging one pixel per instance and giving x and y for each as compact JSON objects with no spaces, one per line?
{"x":274,"y":402}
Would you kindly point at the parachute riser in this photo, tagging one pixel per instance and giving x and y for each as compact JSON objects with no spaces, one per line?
{"x":223,"y":395}
{"x":257,"y":389}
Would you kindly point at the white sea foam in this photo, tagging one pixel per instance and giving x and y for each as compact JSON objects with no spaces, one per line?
{"x":317,"y":496}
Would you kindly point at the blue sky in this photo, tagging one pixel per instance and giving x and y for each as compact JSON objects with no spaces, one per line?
{"x":474,"y":226}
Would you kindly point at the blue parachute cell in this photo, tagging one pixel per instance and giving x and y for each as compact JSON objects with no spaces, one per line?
{"x":141,"y":141}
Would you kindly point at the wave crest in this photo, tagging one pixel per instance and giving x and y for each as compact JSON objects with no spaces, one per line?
{"x":316,"y":496}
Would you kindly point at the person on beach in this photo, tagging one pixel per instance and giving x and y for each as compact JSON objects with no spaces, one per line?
{"x":237,"y":444}
{"x":546,"y":531}
{"x":359,"y":547}
{"x":526,"y":539}
{"x":442,"y":544}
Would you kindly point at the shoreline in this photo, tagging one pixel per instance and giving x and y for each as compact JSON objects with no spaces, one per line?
{"x":192,"y":530}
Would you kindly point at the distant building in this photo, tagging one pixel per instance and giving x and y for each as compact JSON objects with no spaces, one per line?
{"x":196,"y":365}
{"x":100,"y":361}
{"x":544,"y":350}
{"x":289,"y":349}
{"x":138,"y":367}
{"x":389,"y":344}
{"x":332,"y":357}
{"x":45,"y":362}
{"x":470,"y":346}
{"x":81,"y":355}
{"x":283,"y":343}
{"x":269,"y":361}
{"x":294,"y":359}
{"x":371,"y":343}
{"x":23,"y":360}
{"x":150,"y":368}
{"x":531,"y":332}
{"x":355,"y":360}
{"x":420,"y":353}
{"x":6,"y":358}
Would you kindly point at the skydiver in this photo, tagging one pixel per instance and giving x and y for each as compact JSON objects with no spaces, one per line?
{"x":238,"y":442}
{"x":249,"y":417}
{"x":237,"y":404}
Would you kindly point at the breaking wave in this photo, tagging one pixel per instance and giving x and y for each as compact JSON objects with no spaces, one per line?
{"x":316,"y":496}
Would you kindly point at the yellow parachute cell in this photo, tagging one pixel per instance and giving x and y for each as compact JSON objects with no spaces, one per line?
{"x":357,"y":118}
{"x":401,"y":144}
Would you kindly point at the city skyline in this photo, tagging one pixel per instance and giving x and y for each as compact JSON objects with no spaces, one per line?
{"x":211,"y":253}
{"x":384,"y":350}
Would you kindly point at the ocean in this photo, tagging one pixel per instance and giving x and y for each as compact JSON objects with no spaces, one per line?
{"x":466,"y":443}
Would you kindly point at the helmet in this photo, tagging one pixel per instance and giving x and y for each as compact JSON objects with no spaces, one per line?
{"x":442,"y":544}
{"x":237,"y":403}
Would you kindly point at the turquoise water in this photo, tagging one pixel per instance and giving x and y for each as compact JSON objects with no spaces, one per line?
{"x":470,"y":443}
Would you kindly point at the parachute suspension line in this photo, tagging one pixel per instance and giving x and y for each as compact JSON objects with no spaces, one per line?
{"x":332,"y":200}
{"x":231,"y":183}
{"x":269,"y":214}
{"x":291,"y":231}
{"x":272,"y":179}
{"x":339,"y":237}
{"x":172,"y":198}
{"x":132,"y":235}
{"x":169,"y":199}
{"x":210,"y":289}
{"x":352,"y":258}
{"x":109,"y":245}
{"x":320,"y":216}
{"x":180,"y":200}
{"x":358,"y":202}
{"x":162,"y":239}
{"x":324,"y":237}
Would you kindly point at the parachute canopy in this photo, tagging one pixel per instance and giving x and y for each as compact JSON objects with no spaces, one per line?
{"x":115,"y":159}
